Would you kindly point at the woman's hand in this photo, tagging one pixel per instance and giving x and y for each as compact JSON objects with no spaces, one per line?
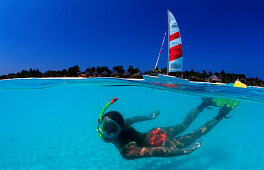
{"x":154,"y":114}
{"x":193,"y":147}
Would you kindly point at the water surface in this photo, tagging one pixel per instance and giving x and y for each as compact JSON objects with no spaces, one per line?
{"x":50,"y":124}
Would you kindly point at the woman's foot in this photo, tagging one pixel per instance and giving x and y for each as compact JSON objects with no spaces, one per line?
{"x":223,"y":112}
{"x":208,"y":101}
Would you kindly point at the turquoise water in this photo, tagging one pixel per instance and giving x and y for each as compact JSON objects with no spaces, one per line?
{"x":50,"y":124}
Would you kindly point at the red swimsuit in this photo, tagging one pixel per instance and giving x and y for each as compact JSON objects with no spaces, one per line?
{"x":156,"y":137}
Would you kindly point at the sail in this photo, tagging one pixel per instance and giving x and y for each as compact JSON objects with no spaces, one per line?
{"x":174,"y":46}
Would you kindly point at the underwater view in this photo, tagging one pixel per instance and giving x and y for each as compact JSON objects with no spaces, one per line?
{"x":51,"y":123}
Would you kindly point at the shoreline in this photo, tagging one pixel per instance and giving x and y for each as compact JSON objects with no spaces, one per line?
{"x":46,"y":78}
{"x":136,"y":79}
{"x":70,"y":78}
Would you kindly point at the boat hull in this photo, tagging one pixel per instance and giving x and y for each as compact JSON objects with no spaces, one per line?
{"x":172,"y":80}
{"x":165,"y":79}
{"x":151,"y":78}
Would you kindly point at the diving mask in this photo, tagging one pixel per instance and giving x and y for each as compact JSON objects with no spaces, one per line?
{"x":108,"y":129}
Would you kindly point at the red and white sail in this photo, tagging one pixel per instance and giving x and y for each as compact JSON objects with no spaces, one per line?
{"x":174,"y":46}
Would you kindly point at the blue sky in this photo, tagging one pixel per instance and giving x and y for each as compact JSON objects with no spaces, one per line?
{"x":52,"y":35}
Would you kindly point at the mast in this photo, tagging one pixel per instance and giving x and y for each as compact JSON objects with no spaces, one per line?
{"x":160,"y":50}
{"x":168,"y":42}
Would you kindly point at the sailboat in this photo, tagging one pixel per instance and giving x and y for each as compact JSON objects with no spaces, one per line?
{"x":175,"y":59}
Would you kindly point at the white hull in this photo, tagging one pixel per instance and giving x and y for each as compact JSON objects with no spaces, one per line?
{"x":151,"y":78}
{"x":172,"y":79}
{"x":165,"y":79}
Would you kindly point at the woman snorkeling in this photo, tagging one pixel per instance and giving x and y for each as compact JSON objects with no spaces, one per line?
{"x":158,"y":142}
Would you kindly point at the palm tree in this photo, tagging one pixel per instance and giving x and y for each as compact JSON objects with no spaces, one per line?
{"x":74,"y":71}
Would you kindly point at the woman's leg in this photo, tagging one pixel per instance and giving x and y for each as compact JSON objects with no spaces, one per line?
{"x":177,"y":129}
{"x":186,"y":140}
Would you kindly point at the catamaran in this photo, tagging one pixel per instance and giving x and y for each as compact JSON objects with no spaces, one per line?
{"x":175,"y":58}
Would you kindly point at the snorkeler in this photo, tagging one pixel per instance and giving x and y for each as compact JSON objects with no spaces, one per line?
{"x":158,"y":142}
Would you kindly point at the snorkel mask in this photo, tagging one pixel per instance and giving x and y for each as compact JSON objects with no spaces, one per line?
{"x":107,"y":129}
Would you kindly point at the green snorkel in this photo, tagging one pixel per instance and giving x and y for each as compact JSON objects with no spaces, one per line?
{"x":98,"y":129}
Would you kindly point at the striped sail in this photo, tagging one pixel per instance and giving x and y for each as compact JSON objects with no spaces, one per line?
{"x":175,"y":45}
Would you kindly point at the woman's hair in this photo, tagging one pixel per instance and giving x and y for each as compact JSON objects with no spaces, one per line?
{"x":116,"y":116}
{"x":128,"y":133}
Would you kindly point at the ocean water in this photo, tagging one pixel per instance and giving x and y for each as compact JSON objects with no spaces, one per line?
{"x":51,"y":124}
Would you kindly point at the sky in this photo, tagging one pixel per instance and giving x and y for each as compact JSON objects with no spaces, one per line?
{"x":53,"y":35}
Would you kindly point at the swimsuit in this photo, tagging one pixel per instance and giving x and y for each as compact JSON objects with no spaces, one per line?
{"x":156,"y":137}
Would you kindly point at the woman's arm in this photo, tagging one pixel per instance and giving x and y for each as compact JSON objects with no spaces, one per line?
{"x":135,"y":119}
{"x":134,"y":152}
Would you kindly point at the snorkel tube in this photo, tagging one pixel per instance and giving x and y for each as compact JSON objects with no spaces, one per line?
{"x":101,"y":116}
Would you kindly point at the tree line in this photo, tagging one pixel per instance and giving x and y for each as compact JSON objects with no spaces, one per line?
{"x":75,"y":71}
{"x":132,"y":72}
